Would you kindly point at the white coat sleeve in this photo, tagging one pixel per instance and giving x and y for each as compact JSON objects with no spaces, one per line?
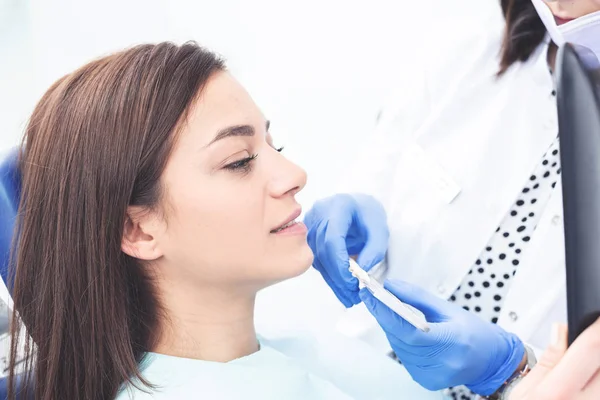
{"x":374,"y":163}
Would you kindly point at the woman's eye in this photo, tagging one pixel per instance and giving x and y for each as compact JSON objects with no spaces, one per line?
{"x":244,"y":165}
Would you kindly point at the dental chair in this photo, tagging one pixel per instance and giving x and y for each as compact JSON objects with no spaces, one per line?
{"x":10,"y":190}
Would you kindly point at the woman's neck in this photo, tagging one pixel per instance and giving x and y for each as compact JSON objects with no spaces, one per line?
{"x":551,"y":56}
{"x":207,"y":324}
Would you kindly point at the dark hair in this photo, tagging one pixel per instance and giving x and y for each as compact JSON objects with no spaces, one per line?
{"x":524,"y":32}
{"x":97,"y":142}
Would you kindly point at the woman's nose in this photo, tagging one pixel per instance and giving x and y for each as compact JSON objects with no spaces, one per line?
{"x":289,"y":178}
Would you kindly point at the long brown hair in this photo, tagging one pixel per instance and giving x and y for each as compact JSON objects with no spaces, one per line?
{"x":523,"y":33}
{"x":97,"y":142}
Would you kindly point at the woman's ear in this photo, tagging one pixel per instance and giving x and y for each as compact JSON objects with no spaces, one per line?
{"x":140,"y":234}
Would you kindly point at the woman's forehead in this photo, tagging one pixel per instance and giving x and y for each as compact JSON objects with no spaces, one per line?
{"x":223,"y":104}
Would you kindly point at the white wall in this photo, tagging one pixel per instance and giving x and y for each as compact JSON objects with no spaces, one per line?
{"x":318,"y":68}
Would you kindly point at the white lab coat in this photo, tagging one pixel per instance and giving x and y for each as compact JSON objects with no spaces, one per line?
{"x":449,"y":156}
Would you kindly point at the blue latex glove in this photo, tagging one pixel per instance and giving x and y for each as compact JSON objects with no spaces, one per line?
{"x":460,"y":348}
{"x":344,"y":225}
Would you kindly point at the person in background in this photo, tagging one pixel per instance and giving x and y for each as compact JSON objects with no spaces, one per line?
{"x":458,"y":192}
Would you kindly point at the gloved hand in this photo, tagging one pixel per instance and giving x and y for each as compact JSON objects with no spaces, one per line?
{"x":460,"y":348}
{"x":344,"y":225}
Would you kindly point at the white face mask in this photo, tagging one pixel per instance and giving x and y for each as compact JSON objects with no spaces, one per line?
{"x":583,"y":31}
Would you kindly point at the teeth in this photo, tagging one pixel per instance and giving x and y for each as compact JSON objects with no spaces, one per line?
{"x":284,"y":226}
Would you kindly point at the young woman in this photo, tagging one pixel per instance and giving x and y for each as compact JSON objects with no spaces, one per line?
{"x":154,"y":206}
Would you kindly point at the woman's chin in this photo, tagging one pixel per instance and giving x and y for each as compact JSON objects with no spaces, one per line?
{"x":293,"y":265}
{"x":299,"y":263}
{"x":308,"y":258}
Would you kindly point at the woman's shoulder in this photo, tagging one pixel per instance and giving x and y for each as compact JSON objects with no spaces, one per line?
{"x":290,"y":365}
{"x":350,"y":364}
{"x":165,"y":378}
{"x":137,"y":390}
{"x":129,"y":392}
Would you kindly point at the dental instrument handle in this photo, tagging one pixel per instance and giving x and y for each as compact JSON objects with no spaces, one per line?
{"x":405,"y":311}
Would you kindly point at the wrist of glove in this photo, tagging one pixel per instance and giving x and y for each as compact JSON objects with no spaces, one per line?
{"x":460,"y":348}
{"x":509,"y":356}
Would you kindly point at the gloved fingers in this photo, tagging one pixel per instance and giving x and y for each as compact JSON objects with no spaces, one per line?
{"x":428,"y":374}
{"x":313,"y":217}
{"x":372,"y":222}
{"x":337,"y":227}
{"x":346,"y":297}
{"x":313,"y":224}
{"x":434,"y":308}
{"x":430,"y":378}
{"x":334,"y":256}
{"x":394,"y":325}
{"x":329,"y":247}
{"x":373,"y":252}
{"x":370,"y":204}
{"x":408,"y":351}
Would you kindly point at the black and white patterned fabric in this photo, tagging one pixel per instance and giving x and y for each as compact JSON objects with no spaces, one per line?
{"x":484,"y":288}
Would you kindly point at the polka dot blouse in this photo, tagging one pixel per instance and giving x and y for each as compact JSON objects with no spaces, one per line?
{"x":483,"y":290}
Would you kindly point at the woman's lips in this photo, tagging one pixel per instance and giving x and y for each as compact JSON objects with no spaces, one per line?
{"x":296,"y":228}
{"x":561,"y":21}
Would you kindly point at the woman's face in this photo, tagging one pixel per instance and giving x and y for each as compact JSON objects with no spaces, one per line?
{"x":227,"y":192}
{"x":566,"y":10}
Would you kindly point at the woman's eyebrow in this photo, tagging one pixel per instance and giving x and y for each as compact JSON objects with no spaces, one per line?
{"x":236,"y":130}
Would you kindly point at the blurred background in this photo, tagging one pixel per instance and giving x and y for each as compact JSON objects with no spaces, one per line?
{"x":319,"y":69}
